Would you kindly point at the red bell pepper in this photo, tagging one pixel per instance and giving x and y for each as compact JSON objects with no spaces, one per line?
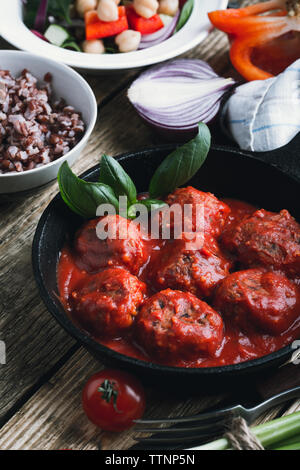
{"x":143,"y":25}
{"x":255,"y":27}
{"x":91,"y":17}
{"x":103,"y":29}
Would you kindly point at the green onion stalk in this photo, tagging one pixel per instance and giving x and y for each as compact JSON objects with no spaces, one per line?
{"x":279,"y":434}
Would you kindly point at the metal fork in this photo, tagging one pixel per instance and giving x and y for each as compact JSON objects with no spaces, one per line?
{"x":203,"y":426}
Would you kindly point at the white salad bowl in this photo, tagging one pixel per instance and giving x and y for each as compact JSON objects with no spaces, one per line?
{"x":195,"y":31}
{"x":66,"y":84}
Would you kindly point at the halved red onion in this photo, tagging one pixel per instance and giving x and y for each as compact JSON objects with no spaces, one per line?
{"x":176,"y":96}
{"x":41,"y":16}
{"x":161,"y":35}
{"x":39,"y":35}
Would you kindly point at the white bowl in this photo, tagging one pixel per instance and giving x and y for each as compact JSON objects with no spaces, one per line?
{"x":196,"y":30}
{"x":67,"y":84}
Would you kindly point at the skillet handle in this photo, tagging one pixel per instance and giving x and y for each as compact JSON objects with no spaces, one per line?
{"x":286,"y":159}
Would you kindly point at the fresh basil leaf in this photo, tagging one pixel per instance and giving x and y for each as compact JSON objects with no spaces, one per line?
{"x":112,"y":173}
{"x":81,"y":196}
{"x":67,"y":200}
{"x":151,"y":205}
{"x":184,"y":15}
{"x":60,"y":9}
{"x":181,"y":165}
{"x":30,"y":12}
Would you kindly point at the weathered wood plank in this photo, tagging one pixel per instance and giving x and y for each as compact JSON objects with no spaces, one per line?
{"x":293,"y":408}
{"x":53,"y":417}
{"x":34,"y":341}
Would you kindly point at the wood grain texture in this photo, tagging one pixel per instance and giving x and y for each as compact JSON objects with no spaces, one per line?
{"x":45,"y":373}
{"x":53,"y":417}
{"x":35,"y":343}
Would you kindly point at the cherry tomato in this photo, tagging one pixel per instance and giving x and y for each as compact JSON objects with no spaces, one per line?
{"x":112,"y":399}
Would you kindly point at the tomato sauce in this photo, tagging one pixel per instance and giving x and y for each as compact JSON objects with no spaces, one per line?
{"x":237,"y":346}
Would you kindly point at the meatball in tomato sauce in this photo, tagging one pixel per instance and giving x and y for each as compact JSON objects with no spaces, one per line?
{"x":107,"y":303}
{"x":258,"y":298}
{"x":174,"y":324}
{"x":208,"y":213}
{"x":268,"y":240}
{"x":124,"y":245}
{"x":197,"y":271}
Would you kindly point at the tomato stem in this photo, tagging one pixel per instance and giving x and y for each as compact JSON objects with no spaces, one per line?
{"x":109,"y":392}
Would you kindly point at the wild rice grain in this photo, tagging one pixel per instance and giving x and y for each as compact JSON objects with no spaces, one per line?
{"x":34,"y":130}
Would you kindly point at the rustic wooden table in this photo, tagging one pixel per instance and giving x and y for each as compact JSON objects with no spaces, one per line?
{"x":41,"y":383}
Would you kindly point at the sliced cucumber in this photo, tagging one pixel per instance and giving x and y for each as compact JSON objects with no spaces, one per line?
{"x":57,"y":35}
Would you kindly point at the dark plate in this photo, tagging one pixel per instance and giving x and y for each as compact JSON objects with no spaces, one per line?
{"x":226,"y":173}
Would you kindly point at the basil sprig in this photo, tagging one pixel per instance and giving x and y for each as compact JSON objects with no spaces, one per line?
{"x":181,"y":165}
{"x":81,"y":196}
{"x":114,"y":175}
{"x":184,"y":15}
{"x":150,"y":204}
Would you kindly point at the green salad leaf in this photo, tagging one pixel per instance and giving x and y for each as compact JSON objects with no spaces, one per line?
{"x":57,"y":8}
{"x":60,"y":9}
{"x":71,"y":45}
{"x":181,"y":165}
{"x":81,"y":196}
{"x":30,"y":11}
{"x":184,"y":15}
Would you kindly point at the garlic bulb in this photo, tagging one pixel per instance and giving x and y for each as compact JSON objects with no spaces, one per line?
{"x":265,"y":114}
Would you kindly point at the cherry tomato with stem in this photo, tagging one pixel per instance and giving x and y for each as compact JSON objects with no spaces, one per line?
{"x":112,"y":399}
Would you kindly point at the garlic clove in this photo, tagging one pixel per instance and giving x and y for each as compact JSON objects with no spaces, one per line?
{"x":265,"y":114}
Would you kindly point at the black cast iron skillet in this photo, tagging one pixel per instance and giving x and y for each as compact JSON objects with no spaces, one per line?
{"x":269,"y":180}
